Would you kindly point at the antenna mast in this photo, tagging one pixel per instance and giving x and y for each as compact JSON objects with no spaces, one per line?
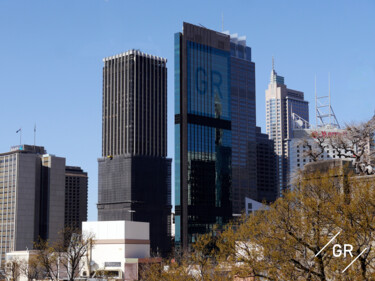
{"x":34,"y":133}
{"x":316,"y":105}
{"x":324,"y":109}
{"x":222,"y":21}
{"x":329,"y":94}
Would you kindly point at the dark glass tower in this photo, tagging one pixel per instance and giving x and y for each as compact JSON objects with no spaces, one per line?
{"x":76,"y":181}
{"x":203,"y":148}
{"x":244,"y":159}
{"x":220,"y":158}
{"x":134,"y":173}
{"x":266,"y":168}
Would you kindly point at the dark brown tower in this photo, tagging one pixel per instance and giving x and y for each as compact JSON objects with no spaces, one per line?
{"x":134,"y":173}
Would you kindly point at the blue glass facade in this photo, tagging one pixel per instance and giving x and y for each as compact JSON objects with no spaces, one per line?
{"x":208,"y":81}
{"x":203,"y":140}
{"x":177,"y":137}
{"x":177,"y":73}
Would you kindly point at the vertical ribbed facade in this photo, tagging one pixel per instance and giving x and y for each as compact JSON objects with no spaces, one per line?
{"x":8,"y":206}
{"x":134,"y":173}
{"x":32,"y":197}
{"x":134,"y":105}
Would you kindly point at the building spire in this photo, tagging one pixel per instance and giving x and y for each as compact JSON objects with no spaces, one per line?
{"x":222,"y":21}
{"x":273,"y":72}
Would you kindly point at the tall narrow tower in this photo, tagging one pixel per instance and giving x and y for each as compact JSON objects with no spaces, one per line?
{"x":281,"y":102}
{"x":134,"y":173}
{"x":244,"y":157}
{"x":203,"y":133}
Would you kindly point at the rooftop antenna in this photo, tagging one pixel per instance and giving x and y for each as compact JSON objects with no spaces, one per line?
{"x":273,"y":63}
{"x":222,"y":22}
{"x":329,"y":94}
{"x":20,"y":131}
{"x":316,"y":105}
{"x":324,"y":110}
{"x":34,"y":133}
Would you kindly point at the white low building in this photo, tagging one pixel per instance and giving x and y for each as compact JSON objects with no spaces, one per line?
{"x":298,"y":157}
{"x":116,"y":249}
{"x":252,"y":206}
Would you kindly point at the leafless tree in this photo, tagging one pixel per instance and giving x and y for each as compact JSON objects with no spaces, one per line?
{"x":13,"y":269}
{"x":64,"y":255}
{"x":315,"y":149}
{"x":48,"y":259}
{"x":353,"y":143}
{"x":32,"y":269}
{"x":72,"y":254}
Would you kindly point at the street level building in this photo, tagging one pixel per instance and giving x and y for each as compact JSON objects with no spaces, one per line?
{"x":281,"y":102}
{"x":116,"y":249}
{"x":134,"y":171}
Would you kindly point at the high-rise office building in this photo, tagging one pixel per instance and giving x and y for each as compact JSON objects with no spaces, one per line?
{"x":134,"y":173}
{"x":244,"y":155}
{"x":32,"y":193}
{"x":216,"y":140}
{"x":266,"y":168}
{"x":203,"y":136}
{"x":281,"y":102}
{"x":76,"y":184}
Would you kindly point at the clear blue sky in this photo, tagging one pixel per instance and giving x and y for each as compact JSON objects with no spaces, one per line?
{"x":51,"y":60}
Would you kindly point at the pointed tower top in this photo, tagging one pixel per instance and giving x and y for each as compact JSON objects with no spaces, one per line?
{"x":274,"y":77}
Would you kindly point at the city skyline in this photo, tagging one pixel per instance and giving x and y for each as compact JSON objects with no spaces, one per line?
{"x":52,"y":59}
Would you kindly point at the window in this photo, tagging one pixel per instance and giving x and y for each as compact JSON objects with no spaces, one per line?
{"x":249,"y":206}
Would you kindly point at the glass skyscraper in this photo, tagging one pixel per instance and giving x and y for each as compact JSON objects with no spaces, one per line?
{"x":244,"y":159}
{"x":216,"y":140}
{"x":203,"y":141}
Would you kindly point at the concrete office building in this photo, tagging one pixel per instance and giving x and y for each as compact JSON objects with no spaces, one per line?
{"x":281,"y":102}
{"x":37,"y":197}
{"x":134,"y":173}
{"x":302,"y":133}
{"x":76,"y":185}
{"x":32,"y":193}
